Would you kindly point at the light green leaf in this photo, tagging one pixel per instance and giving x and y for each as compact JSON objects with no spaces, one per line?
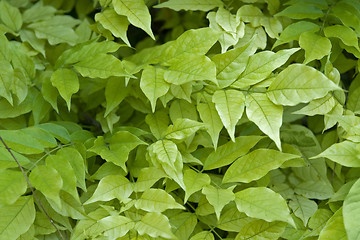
{"x":180,"y":71}
{"x":110,"y":187}
{"x":30,"y":37}
{"x":315,"y":46}
{"x":21,"y":142}
{"x":272,"y":25}
{"x":351,"y":209}
{"x":261,"y":65}
{"x":147,"y":177}
{"x":101,"y":66}
{"x":230,"y":151}
{"x":260,"y":229}
{"x":265,"y":114}
{"x":345,"y":153}
{"x":194,"y":182}
{"x":16,"y":218}
{"x":184,"y":224}
{"x":344,"y":11}
{"x":255,"y":165}
{"x":192,"y":5}
{"x":158,"y":123}
{"x":263,"y":203}
{"x":12,"y":186}
{"x":334,"y":228}
{"x":204,"y":235}
{"x":155,"y":225}
{"x":315,"y":189}
{"x":10,"y":16}
{"x":115,"y":23}
{"x":6,"y":79}
{"x":301,"y":11}
{"x":319,"y":106}
{"x":67,"y":83}
{"x":115,"y":92}
{"x":218,"y":197}
{"x":344,"y":33}
{"x":230,"y":107}
{"x":296,"y":85}
{"x":232,"y":220}
{"x":182,"y":91}
{"x":318,"y":221}
{"x":182,"y":129}
{"x":48,"y":181}
{"x":38,"y":12}
{"x":70,"y":207}
{"x":7,"y":161}
{"x":251,"y":14}
{"x":153,"y":84}
{"x":116,"y":226}
{"x":303,"y":207}
{"x":227,"y":21}
{"x":137,"y":13}
{"x":156,"y":200}
{"x":182,"y":109}
{"x":231,"y":64}
{"x":56,"y":130}
{"x":210,"y":117}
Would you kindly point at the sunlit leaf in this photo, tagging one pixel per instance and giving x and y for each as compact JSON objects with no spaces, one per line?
{"x":351,"y":210}
{"x":155,"y":225}
{"x":203,"y":5}
{"x":315,"y":46}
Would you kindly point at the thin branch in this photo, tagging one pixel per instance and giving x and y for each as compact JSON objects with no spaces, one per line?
{"x":32,"y":188}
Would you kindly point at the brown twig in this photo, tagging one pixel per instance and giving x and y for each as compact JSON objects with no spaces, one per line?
{"x":32,"y":188}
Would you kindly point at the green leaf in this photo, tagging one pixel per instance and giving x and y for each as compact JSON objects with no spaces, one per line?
{"x":10,"y":16}
{"x":16,"y":218}
{"x":156,"y":200}
{"x":48,"y":181}
{"x":315,"y":189}
{"x":334,"y":228}
{"x":70,"y":207}
{"x":344,"y":33}
{"x":115,"y":23}
{"x":255,"y":165}
{"x":351,"y":209}
{"x":265,"y":114}
{"x":263,"y":203}
{"x":116,"y":226}
{"x":12,"y":186}
{"x":232,"y":220}
{"x":137,"y":13}
{"x":218,"y":197}
{"x":147,"y":177}
{"x":230,"y":151}
{"x":260,"y":229}
{"x":110,"y":187}
{"x":7,"y":161}
{"x":319,"y":106}
{"x":155,"y":225}
{"x":296,"y":85}
{"x":158,"y":123}
{"x":153,"y":84}
{"x":345,"y":153}
{"x":261,"y":65}
{"x":301,"y":11}
{"x":21,"y":142}
{"x":315,"y":46}
{"x":115,"y":92}
{"x":180,"y":71}
{"x":184,"y":224}
{"x":303,"y":207}
{"x":194,"y":182}
{"x":230,"y":107}
{"x":67,"y":83}
{"x":182,"y":129}
{"x":6,"y":78}
{"x":251,"y":14}
{"x":56,"y":130}
{"x":204,"y":235}
{"x":192,"y":5}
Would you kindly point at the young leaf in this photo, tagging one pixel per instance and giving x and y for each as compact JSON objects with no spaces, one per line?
{"x":67,"y":83}
{"x":156,"y":200}
{"x":137,"y":13}
{"x":255,"y":165}
{"x":116,"y":226}
{"x":12,"y":186}
{"x":351,"y":209}
{"x":344,"y":33}
{"x":21,"y":142}
{"x":182,"y":129}
{"x":296,"y":85}
{"x":10,"y":16}
{"x":193,"y":5}
{"x":158,"y":123}
{"x":319,"y":106}
{"x":263,"y":203}
{"x":194,"y":182}
{"x":261,"y":229}
{"x":230,"y":151}
{"x":155,"y":225}
{"x":315,"y":46}
{"x":251,"y":14}
{"x":16,"y":218}
{"x":303,"y":207}
{"x":184,"y":224}
{"x":218,"y":197}
{"x":7,"y":161}
{"x":147,"y":177}
{"x":265,"y":114}
{"x":334,"y":228}
{"x":230,"y":107}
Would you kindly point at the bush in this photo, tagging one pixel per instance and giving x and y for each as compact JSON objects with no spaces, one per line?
{"x":185,"y":119}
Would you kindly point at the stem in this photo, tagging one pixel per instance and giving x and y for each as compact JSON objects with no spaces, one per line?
{"x":32,"y":188}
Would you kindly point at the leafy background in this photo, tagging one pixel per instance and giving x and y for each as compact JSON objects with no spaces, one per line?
{"x":180,"y":119}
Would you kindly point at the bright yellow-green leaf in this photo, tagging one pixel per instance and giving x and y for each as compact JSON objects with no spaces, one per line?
{"x":260,"y":229}
{"x":301,"y":11}
{"x":16,"y":218}
{"x":110,"y":187}
{"x":6,"y":78}
{"x":315,"y":46}
{"x":232,"y":220}
{"x":303,"y":207}
{"x":203,"y":5}
{"x":184,"y":224}
{"x":153,"y":84}
{"x":218,"y":197}
{"x":334,"y":228}
{"x":158,"y":123}
{"x":137,"y":13}
{"x":227,"y":21}
{"x":156,"y":200}
{"x":230,"y":107}
{"x":251,"y":14}
{"x":231,"y":151}
{"x":296,"y":85}
{"x":182,"y":129}
{"x":318,"y":221}
{"x":154,"y":225}
{"x":351,"y":209}
{"x":204,"y":235}
{"x":115,"y":23}
{"x":255,"y":165}
{"x":67,"y":83}
{"x":344,"y":11}
{"x":344,"y":33}
{"x":116,"y":226}
{"x":261,"y":65}
{"x":7,"y":161}
{"x":48,"y":181}
{"x":272,"y":25}
{"x":12,"y":186}
{"x":147,"y":177}
{"x":182,"y":109}
{"x":194,"y":182}
{"x":21,"y":142}
{"x":265,"y":114}
{"x":263,"y":203}
{"x":314,"y":189}
{"x":30,"y":37}
{"x":10,"y":16}
{"x":319,"y":106}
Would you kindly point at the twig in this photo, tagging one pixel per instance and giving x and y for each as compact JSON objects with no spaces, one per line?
{"x":32,"y":188}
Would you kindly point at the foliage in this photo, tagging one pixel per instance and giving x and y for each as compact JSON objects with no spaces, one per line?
{"x":179,"y":119}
